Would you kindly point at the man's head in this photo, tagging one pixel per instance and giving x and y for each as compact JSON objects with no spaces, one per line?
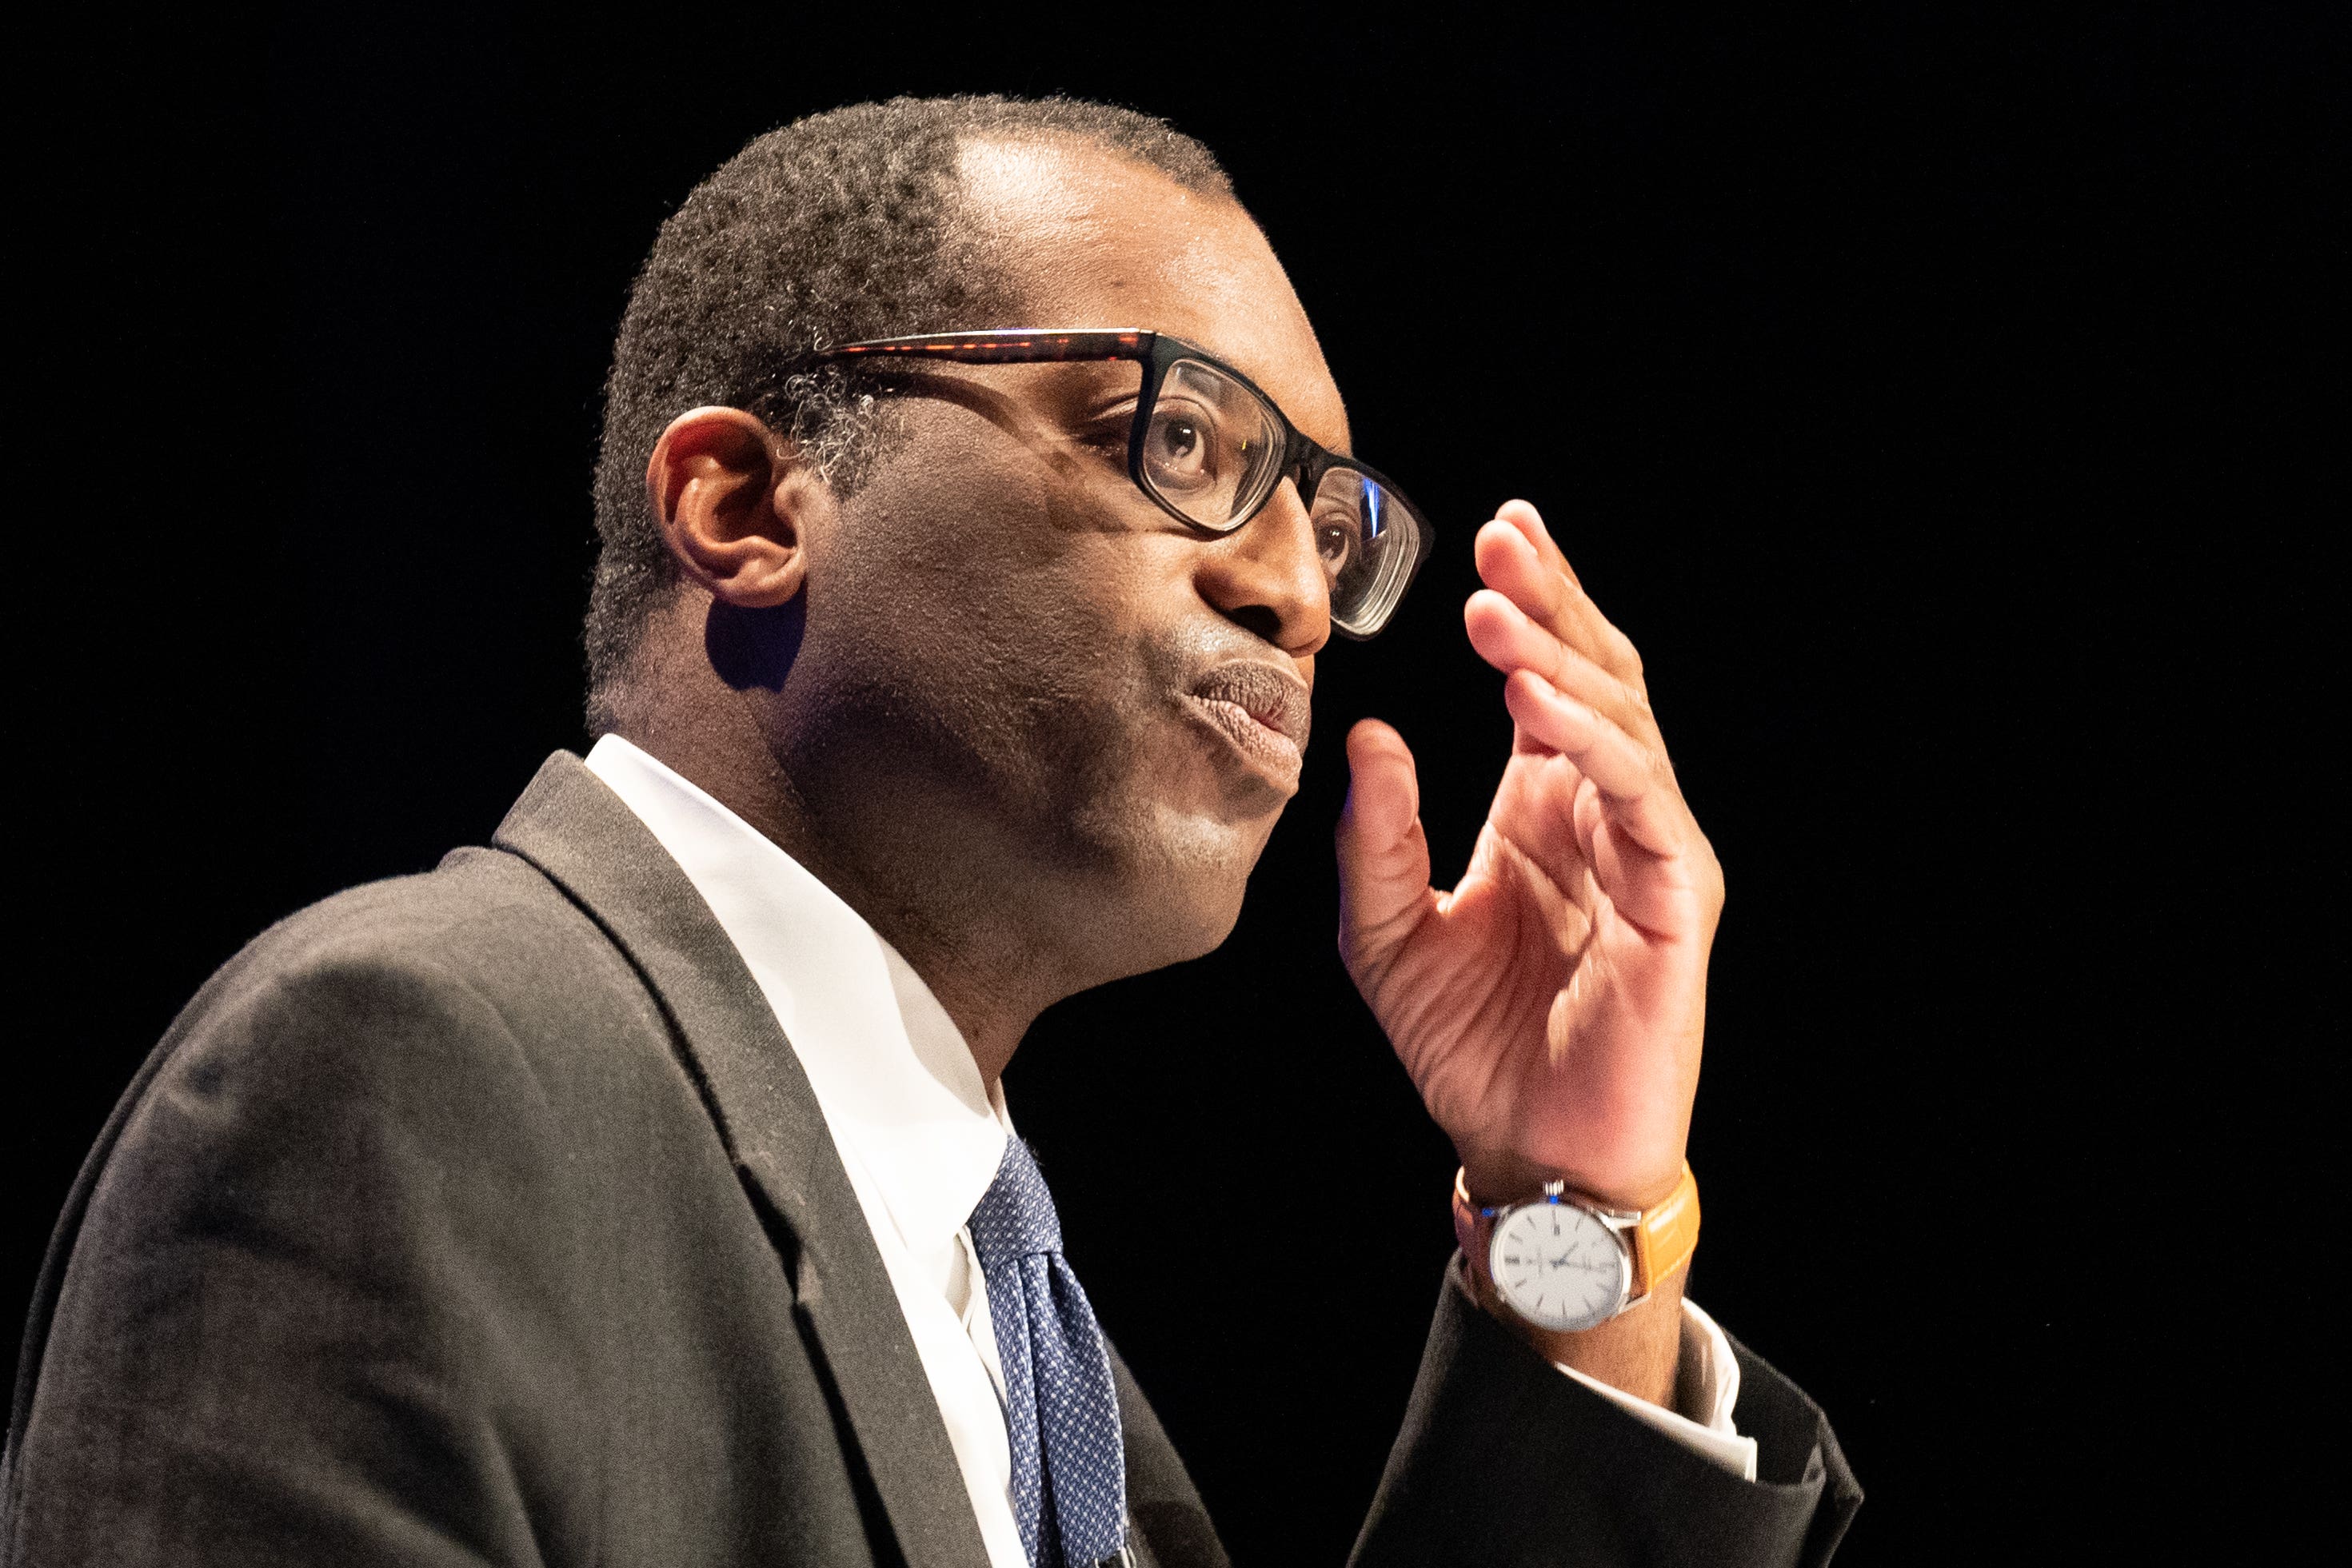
{"x":841,"y":226}
{"x":919,"y":625}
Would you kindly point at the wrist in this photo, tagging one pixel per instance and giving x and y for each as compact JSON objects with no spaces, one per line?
{"x":1503,"y":1176}
{"x":1592,"y":1287}
{"x":1638,"y":1352}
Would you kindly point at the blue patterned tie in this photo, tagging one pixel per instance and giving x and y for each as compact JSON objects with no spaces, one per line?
{"x":1069,"y":1473}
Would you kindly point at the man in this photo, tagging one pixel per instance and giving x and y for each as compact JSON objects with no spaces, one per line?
{"x":975,"y":502}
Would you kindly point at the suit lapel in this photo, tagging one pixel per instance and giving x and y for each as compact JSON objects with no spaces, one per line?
{"x":579,"y":834}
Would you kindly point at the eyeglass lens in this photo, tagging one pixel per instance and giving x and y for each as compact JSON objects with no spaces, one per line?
{"x":1211,"y":450}
{"x":1367,"y":549}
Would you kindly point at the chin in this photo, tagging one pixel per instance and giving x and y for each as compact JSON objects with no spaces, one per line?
{"x":1157,"y":933}
{"x":1178,"y":895}
{"x":1203,"y":923}
{"x":1162,"y":842}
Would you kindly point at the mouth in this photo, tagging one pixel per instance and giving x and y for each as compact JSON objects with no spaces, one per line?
{"x":1262,"y":709}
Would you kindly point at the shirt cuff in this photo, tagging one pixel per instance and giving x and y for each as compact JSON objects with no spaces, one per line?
{"x":1706,"y":1430}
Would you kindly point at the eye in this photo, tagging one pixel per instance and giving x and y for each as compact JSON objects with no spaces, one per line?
{"x":1335,"y":545}
{"x":1339,"y":540}
{"x":1181,"y":449}
{"x":1180,"y":441}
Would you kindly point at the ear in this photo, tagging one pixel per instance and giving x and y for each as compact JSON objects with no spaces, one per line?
{"x":735,"y":504}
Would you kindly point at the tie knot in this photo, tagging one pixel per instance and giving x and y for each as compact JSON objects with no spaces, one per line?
{"x":1015,"y":1216}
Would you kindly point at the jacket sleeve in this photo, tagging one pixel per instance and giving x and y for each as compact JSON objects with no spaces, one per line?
{"x":1503,"y":1461}
{"x":298,"y":1321}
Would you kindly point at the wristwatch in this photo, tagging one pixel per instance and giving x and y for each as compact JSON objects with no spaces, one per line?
{"x":1567,"y":1262}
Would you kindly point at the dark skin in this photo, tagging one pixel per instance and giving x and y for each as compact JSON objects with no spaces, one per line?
{"x":965,"y":698}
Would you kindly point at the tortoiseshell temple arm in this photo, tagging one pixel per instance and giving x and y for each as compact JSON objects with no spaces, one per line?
{"x":1004,"y":348}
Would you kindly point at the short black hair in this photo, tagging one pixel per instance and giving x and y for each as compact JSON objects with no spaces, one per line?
{"x":834,"y":228}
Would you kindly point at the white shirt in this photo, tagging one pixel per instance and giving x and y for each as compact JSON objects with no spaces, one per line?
{"x":920,"y":1134}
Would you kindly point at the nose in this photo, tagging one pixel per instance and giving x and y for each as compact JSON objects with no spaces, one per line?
{"x":1267,"y":577}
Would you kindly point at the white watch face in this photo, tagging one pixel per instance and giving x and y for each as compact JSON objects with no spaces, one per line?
{"x":1559,"y":1266}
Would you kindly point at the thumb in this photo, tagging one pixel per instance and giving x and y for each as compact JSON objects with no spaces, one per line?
{"x":1384,"y":855}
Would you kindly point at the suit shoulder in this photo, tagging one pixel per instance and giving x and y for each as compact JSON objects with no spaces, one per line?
{"x":475,"y":900}
{"x":479,"y":967}
{"x":483,"y":921}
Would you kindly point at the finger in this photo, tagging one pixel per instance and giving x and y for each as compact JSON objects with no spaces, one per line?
{"x":1636,"y":791}
{"x":1509,"y":639}
{"x":1588,"y":814}
{"x":1656,"y":893}
{"x":1523,"y":516}
{"x":1550,"y":593}
{"x":1384,"y":853}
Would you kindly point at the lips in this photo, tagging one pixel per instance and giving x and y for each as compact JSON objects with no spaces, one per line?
{"x":1261,"y":708}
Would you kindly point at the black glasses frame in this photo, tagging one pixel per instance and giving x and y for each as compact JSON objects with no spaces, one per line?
{"x":1304,"y":461}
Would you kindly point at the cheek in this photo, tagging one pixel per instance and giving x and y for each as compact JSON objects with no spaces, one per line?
{"x":993,"y":601}
{"x":1037,"y":633}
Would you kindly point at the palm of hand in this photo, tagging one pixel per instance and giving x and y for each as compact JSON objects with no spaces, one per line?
{"x":1526,"y":1007}
{"x":1550,"y":1007}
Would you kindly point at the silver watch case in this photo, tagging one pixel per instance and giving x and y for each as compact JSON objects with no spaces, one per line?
{"x":1618,"y":1223}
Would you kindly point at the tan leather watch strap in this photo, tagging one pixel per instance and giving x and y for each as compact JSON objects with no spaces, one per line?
{"x":1667,"y":1234}
{"x":1663,"y":1237}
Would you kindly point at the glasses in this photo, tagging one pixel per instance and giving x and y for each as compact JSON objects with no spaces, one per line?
{"x":1211,"y":449}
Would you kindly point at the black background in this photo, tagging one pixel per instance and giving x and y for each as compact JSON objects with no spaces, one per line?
{"x":1941,"y":403}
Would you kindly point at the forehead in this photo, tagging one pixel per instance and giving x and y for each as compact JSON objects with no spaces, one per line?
{"x":1098,"y":240}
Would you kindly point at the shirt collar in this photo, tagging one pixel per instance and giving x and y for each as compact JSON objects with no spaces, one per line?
{"x":890,"y":1071}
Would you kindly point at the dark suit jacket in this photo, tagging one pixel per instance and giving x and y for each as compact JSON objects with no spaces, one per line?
{"x":485,"y":1217}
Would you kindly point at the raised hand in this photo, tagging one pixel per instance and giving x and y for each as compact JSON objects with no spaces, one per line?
{"x":1550,"y":1007}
